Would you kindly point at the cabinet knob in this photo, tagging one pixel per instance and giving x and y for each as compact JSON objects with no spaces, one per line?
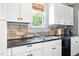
{"x":76,"y":41}
{"x":29,"y":45}
{"x":31,"y":54}
{"x":53,"y":48}
{"x":28,"y":55}
{"x":21,"y":18}
{"x":18,"y":18}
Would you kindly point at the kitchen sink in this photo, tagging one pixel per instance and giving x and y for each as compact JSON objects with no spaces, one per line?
{"x":51,"y":37}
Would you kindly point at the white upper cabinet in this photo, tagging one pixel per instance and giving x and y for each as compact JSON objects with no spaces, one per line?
{"x":70,"y":15}
{"x":26,"y":12}
{"x":2,"y":17}
{"x":1,"y":11}
{"x":12,"y":11}
{"x":17,"y":12}
{"x":60,"y":14}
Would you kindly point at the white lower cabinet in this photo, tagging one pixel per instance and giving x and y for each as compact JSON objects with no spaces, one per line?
{"x":51,"y":48}
{"x":57,"y":50}
{"x":37,"y":52}
{"x":74,"y":45}
{"x":22,"y":54}
{"x":52,"y":51}
{"x":48,"y":51}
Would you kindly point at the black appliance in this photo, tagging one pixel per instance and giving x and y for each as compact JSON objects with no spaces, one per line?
{"x":66,"y":42}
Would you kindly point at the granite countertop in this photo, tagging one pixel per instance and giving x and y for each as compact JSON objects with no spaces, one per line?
{"x":27,"y":41}
{"x":30,"y":40}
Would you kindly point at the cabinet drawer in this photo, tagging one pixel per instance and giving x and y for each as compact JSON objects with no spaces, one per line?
{"x":52,"y":43}
{"x":37,"y":46}
{"x":38,"y":52}
{"x":22,"y":54}
{"x":21,"y":49}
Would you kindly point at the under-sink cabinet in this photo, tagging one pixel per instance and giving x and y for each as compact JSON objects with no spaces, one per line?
{"x":52,"y":48}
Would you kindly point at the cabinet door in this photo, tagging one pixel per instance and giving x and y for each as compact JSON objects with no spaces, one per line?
{"x":57,"y":50}
{"x":48,"y":51}
{"x":1,"y":11}
{"x":70,"y":15}
{"x":36,"y":52}
{"x":74,"y":46}
{"x":26,"y":12}
{"x":51,"y":14}
{"x":64,"y":14}
{"x":12,"y":11}
{"x":23,"y":54}
{"x":52,"y":48}
{"x":20,"y":49}
{"x":52,"y":51}
{"x":59,"y":13}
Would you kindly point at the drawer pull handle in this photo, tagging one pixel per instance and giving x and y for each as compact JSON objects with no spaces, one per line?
{"x":29,"y":45}
{"x":53,"y":48}
{"x":76,"y":41}
{"x":31,"y":54}
{"x":28,"y":55}
{"x":18,"y":18}
{"x":21,"y":18}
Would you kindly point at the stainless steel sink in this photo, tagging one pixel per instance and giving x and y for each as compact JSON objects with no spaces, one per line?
{"x":51,"y":37}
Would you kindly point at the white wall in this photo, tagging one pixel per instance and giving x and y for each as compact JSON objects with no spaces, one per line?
{"x":75,"y":17}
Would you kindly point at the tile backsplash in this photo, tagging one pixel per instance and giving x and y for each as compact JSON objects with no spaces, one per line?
{"x":22,"y":30}
{"x":17,"y":30}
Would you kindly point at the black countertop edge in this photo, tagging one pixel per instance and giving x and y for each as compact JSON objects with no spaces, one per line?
{"x":30,"y":37}
{"x":35,"y":42}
